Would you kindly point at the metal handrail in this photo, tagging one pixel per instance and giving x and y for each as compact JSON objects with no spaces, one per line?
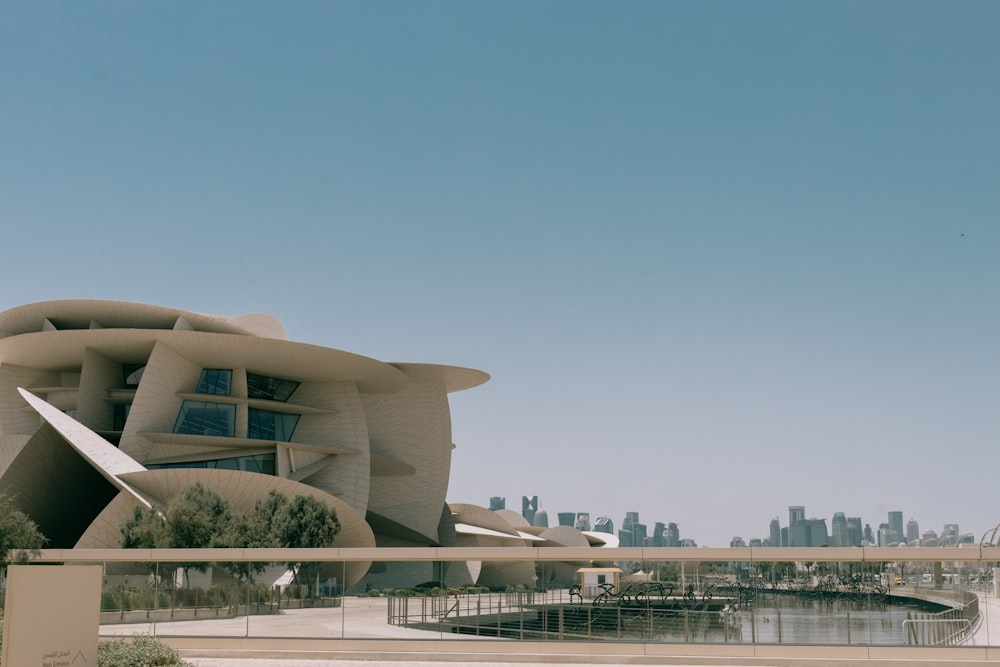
{"x":911,"y":625}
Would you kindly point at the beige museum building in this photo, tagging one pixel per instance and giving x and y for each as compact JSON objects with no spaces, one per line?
{"x":107,"y":405}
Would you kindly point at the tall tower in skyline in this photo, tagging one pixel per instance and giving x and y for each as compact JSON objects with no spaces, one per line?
{"x":855,"y":531}
{"x":838,"y":530}
{"x":912,"y":531}
{"x":896,"y":531}
{"x":672,"y":536}
{"x":774,"y":538}
{"x":528,"y":508}
{"x":796,"y":515}
{"x":658,"y":529}
{"x":497,"y":503}
{"x":604,"y":525}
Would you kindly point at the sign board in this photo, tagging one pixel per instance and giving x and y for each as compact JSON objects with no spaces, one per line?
{"x":52,"y":615}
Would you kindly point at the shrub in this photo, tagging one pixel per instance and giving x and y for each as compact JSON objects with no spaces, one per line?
{"x":139,"y":651}
{"x":110,"y":600}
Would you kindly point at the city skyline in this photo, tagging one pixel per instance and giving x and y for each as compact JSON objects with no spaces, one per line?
{"x":715,"y":256}
{"x":692,"y":533}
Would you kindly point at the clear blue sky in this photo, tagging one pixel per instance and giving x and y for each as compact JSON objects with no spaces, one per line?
{"x":719,"y":257}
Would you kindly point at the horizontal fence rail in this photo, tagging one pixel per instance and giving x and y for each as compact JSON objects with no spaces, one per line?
{"x":971,"y":553}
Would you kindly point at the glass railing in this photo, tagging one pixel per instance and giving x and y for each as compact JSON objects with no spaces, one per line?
{"x":940,"y":597}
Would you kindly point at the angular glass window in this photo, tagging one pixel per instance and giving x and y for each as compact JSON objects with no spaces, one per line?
{"x":200,"y":418}
{"x":133,"y":373}
{"x":261,"y":463}
{"x":267,"y":425}
{"x":272,"y":389}
{"x":215,"y":381}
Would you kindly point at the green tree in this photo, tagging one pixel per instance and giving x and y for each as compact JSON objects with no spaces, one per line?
{"x":19,"y":535}
{"x":196,"y":518}
{"x":199,"y":518}
{"x":144,"y":530}
{"x":306,"y":523}
{"x":254,"y":530}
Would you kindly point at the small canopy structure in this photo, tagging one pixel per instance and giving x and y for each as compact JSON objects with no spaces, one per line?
{"x":594,"y":580}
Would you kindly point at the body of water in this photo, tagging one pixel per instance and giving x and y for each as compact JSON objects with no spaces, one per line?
{"x":773,"y":619}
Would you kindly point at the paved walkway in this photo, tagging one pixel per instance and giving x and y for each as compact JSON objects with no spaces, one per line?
{"x":989,"y":608}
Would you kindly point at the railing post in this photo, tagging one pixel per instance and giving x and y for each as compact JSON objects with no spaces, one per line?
{"x":849,"y":624}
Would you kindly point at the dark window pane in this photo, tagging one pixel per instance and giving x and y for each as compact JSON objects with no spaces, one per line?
{"x":273,"y":389}
{"x":121,"y":415}
{"x":133,"y":373}
{"x":261,"y":463}
{"x":198,"y":418}
{"x":226,"y":464}
{"x":267,"y":425}
{"x":215,"y":381}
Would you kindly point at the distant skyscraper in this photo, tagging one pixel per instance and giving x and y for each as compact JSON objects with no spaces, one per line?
{"x":950,"y":532}
{"x":756,"y":542}
{"x":884,"y":535}
{"x":639,"y":531}
{"x":809,"y":533}
{"x":896,"y":530}
{"x":528,"y":508}
{"x":567,"y":518}
{"x":796,"y":514}
{"x":774,"y":538}
{"x":498,"y":503}
{"x":855,"y":532}
{"x":541,"y":519}
{"x":633,"y":533}
{"x":582,"y":521}
{"x":672,"y":536}
{"x":737,"y":542}
{"x":604,"y":525}
{"x":869,"y":536}
{"x":912,"y":531}
{"x":838,"y":530}
{"x":658,"y":530}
